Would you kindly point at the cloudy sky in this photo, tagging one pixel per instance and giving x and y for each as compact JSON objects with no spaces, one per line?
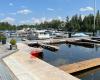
{"x":36,"y":11}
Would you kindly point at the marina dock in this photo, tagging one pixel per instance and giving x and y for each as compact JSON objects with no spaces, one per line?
{"x":49,"y":47}
{"x":26,"y":68}
{"x":80,"y":43}
{"x":52,"y":41}
{"x":49,"y":43}
{"x":80,"y":66}
{"x":44,"y":46}
{"x":91,"y":41}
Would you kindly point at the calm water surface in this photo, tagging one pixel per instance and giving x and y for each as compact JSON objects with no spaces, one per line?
{"x":70,"y":54}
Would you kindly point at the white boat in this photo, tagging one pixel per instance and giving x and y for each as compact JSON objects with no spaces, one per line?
{"x":80,"y":35}
{"x":57,"y":34}
{"x":42,"y":34}
{"x":38,"y":34}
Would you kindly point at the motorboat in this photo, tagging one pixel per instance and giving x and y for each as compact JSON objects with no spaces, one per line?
{"x":80,"y":35}
{"x":38,"y":34}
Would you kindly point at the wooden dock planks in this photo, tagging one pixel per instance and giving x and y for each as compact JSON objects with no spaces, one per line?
{"x":79,"y":66}
{"x":26,"y":68}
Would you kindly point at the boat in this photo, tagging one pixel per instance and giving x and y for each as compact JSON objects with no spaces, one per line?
{"x":57,"y":34}
{"x":80,"y":35}
{"x":42,"y":34}
{"x":38,"y":34}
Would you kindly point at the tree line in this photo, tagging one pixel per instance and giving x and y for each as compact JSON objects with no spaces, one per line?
{"x":7,"y":26}
{"x":75,"y":23}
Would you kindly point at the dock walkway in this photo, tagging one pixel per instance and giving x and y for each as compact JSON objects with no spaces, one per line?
{"x":26,"y":68}
{"x":52,"y":41}
{"x":79,"y":66}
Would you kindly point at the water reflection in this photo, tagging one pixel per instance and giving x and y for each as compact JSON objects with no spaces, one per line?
{"x":68,"y":54}
{"x":92,"y":74}
{"x":69,"y":45}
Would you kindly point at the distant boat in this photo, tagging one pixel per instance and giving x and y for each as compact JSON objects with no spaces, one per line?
{"x":80,"y":35}
{"x":39,"y":34}
{"x":57,"y":34}
{"x":43,"y":35}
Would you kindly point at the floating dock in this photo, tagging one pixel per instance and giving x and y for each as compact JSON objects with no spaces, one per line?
{"x":52,"y":41}
{"x":90,"y":40}
{"x":50,"y":47}
{"x":80,"y":43}
{"x":80,"y":66}
{"x":26,"y":68}
{"x":57,"y":41}
{"x":45,"y":46}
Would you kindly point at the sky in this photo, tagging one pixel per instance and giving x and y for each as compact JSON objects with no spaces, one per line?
{"x":37,"y":11}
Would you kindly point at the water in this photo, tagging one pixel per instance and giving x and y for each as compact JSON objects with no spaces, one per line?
{"x":70,"y":54}
{"x":93,"y":74}
{"x":4,"y":73}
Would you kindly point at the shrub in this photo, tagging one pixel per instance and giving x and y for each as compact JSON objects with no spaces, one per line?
{"x":0,"y":36}
{"x":3,"y":38}
{"x":13,"y":42}
{"x":0,"y":39}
